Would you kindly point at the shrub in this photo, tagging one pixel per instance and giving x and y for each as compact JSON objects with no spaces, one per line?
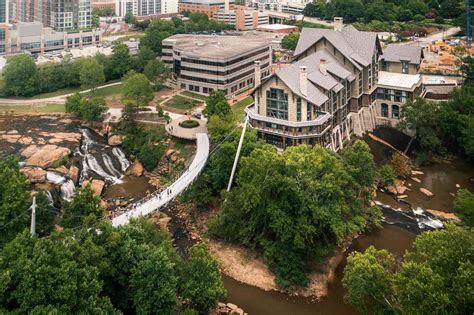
{"x":400,"y":165}
{"x":387,"y":175}
{"x":190,"y":123}
{"x":418,"y":18}
{"x":439,"y":20}
{"x":464,"y":206}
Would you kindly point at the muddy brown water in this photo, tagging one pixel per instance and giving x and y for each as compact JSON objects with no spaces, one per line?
{"x":255,"y":301}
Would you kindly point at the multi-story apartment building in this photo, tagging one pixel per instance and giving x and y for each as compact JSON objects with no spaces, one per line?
{"x":333,"y":90}
{"x":402,"y":58}
{"x":57,"y":14}
{"x":241,"y":19}
{"x":3,"y":25}
{"x":209,"y":7}
{"x":146,"y":8}
{"x":393,"y":90}
{"x":203,"y":63}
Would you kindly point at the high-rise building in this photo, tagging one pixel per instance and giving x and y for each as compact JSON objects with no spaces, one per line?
{"x":57,"y":14}
{"x":3,"y":25}
{"x":146,"y":8}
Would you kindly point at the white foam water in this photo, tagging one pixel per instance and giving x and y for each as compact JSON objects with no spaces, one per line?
{"x":66,"y":184}
{"x":124,"y":162}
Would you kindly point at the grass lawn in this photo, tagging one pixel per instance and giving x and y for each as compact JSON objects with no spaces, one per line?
{"x":238,"y":108}
{"x":186,"y":148}
{"x":50,"y":108}
{"x":194,"y":95}
{"x":180,"y":102}
{"x":110,"y":90}
{"x":58,"y":92}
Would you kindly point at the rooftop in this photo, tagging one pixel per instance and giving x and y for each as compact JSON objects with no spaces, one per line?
{"x":399,"y":80}
{"x":398,"y":53}
{"x":355,"y":45}
{"x":276,"y":27}
{"x":219,"y":47}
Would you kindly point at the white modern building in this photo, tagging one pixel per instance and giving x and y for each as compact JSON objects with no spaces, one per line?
{"x":146,"y":8}
{"x":204,"y":63}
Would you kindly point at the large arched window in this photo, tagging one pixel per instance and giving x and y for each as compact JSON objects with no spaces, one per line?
{"x":384,"y":110}
{"x":395,"y":111}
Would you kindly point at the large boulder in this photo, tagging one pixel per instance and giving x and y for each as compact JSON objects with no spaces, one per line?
{"x":97,"y":186}
{"x":115,"y":140}
{"x":444,"y":215}
{"x":34,"y":175}
{"x":426,"y":192}
{"x":62,"y":169}
{"x":29,"y":151}
{"x":73,"y":173}
{"x":136,"y":169}
{"x":46,"y":155}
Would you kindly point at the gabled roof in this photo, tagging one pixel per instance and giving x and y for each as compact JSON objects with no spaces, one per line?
{"x":355,"y":45}
{"x":399,"y":53}
{"x":318,"y":83}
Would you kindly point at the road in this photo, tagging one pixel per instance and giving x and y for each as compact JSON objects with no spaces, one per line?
{"x":425,"y":41}
{"x":306,"y":18}
{"x":157,"y":201}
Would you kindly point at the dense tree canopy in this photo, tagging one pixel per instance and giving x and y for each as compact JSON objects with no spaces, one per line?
{"x":85,"y":108}
{"x":14,"y":200}
{"x":20,"y":76}
{"x":91,"y":74}
{"x":295,"y":206}
{"x":136,"y":90}
{"x":290,"y":41}
{"x":84,"y":206}
{"x":105,"y":270}
{"x":436,"y":276}
{"x":217,"y":105}
{"x":383,"y":10}
{"x":464,"y":206}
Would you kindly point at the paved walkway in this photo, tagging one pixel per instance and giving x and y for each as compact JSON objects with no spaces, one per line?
{"x":61,"y":99}
{"x":174,"y":129}
{"x":154,"y":202}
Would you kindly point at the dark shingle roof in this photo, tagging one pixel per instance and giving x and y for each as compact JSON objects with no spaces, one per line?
{"x":398,"y":53}
{"x":355,"y":45}
{"x":318,"y":83}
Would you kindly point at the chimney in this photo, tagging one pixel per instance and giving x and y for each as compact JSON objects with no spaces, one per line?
{"x":226,"y":5}
{"x":323,"y":66}
{"x":304,"y":80}
{"x":338,"y":24}
{"x":258,"y":74}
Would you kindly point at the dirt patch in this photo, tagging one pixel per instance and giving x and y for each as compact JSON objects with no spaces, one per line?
{"x":247,"y":266}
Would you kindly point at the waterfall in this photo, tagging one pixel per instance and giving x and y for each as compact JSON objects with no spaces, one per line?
{"x":415,"y":220}
{"x":66,"y":184}
{"x":98,"y":159}
{"x":48,"y":195}
{"x":110,"y":166}
{"x":96,"y":168}
{"x":124,"y":162}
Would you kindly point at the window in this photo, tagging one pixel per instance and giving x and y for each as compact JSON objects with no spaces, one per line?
{"x":298,"y":109}
{"x":384,"y":110}
{"x":277,"y":104}
{"x":395,"y":111}
{"x":405,"y":67}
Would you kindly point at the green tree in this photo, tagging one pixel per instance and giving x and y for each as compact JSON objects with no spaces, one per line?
{"x":83,"y":208}
{"x":20,"y":76}
{"x":51,"y":276}
{"x":157,"y":72}
{"x":201,"y":281}
{"x":120,"y":61}
{"x":14,"y":200}
{"x":387,"y":175}
{"x":467,"y":68}
{"x":88,"y":109}
{"x":360,"y":164}
{"x":145,"y":55}
{"x":216,"y":104}
{"x":92,"y":74}
{"x":434,"y":277}
{"x":136,"y":90}
{"x":464,"y":206}
{"x":153,"y":282}
{"x":295,"y":206}
{"x":422,"y":117}
{"x":290,"y":41}
{"x":45,"y":215}
{"x":368,"y":280}
{"x":450,"y":9}
{"x":129,"y":18}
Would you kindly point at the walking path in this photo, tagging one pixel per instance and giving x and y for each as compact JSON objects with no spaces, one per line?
{"x":50,"y":100}
{"x":164,"y":197}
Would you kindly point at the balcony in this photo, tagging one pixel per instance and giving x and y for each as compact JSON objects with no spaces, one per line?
{"x":292,"y":129}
